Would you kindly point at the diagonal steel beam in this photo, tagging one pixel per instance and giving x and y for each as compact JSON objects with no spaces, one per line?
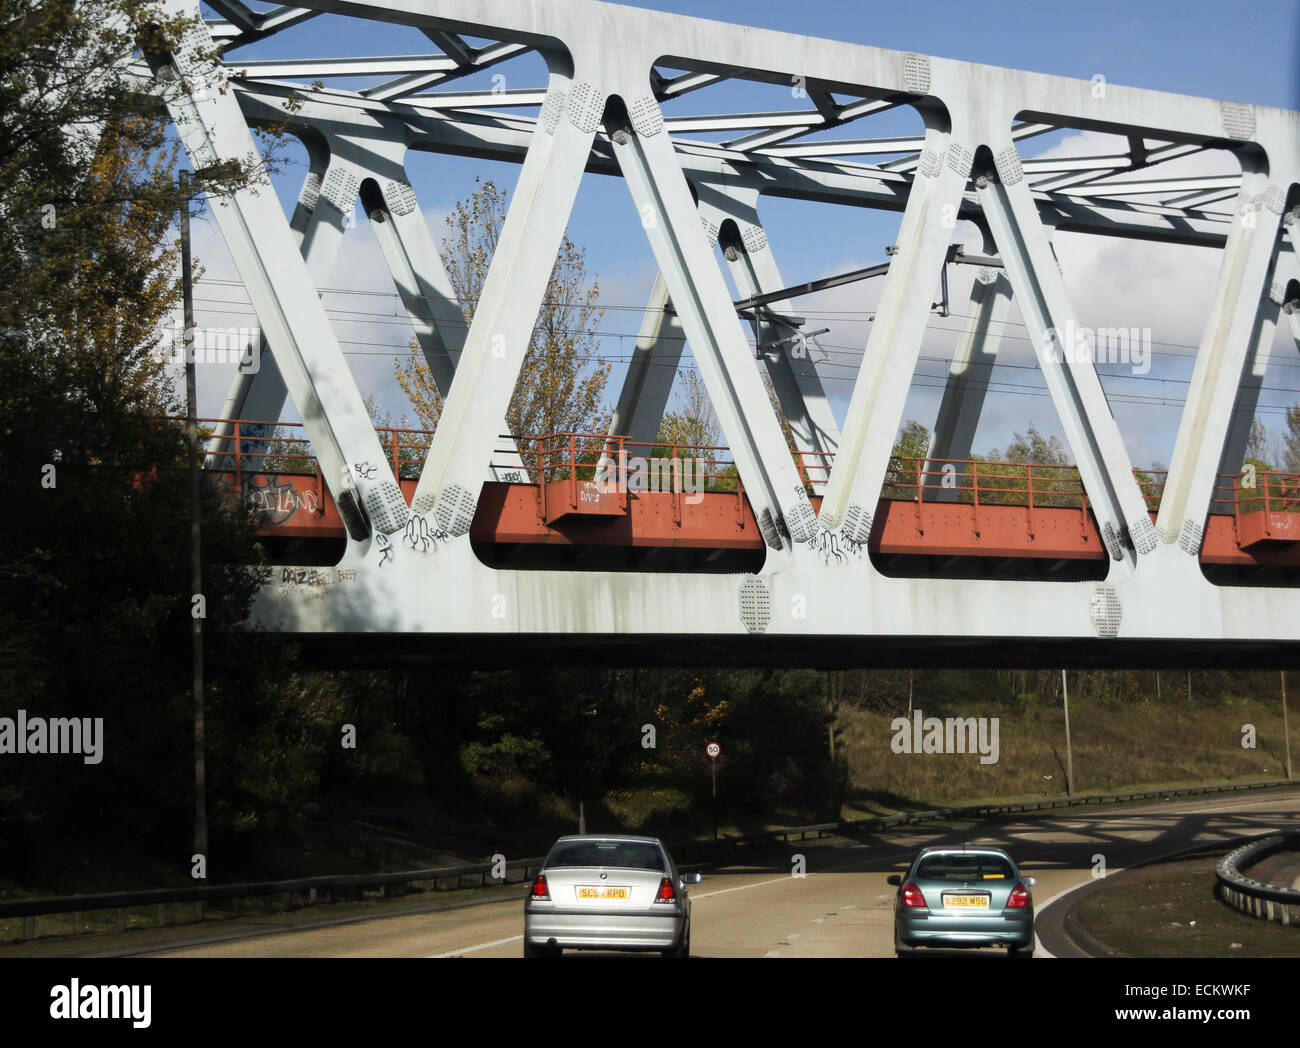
{"x":213,"y":131}
{"x":789,"y":363}
{"x":1221,"y":358}
{"x":889,"y":361}
{"x":516,"y":282}
{"x":1065,"y":360}
{"x":969,"y":373}
{"x":683,"y":250}
{"x":651,"y":371}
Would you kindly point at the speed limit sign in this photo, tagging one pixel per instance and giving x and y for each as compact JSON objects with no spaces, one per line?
{"x":713,"y":749}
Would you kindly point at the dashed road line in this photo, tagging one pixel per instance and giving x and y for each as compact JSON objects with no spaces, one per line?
{"x":480,"y":946}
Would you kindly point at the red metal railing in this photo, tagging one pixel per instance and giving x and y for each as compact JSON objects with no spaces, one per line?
{"x":256,"y":447}
{"x":1270,"y":492}
{"x":231,"y":445}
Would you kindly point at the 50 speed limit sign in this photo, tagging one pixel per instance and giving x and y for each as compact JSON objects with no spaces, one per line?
{"x":713,"y":749}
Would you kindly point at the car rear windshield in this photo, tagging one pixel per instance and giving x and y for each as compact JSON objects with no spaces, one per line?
{"x":621,"y":854}
{"x":965,"y":867}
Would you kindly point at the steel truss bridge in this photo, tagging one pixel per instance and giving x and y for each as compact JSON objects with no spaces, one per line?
{"x":410,"y":582}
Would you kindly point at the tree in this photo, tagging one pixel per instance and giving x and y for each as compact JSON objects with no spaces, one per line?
{"x":693,"y":431}
{"x":1033,"y":447}
{"x":562,"y":382}
{"x":1291,"y":440}
{"x":696,"y":424}
{"x":95,"y":599}
{"x":1030,"y":456}
{"x":909,"y":454}
{"x":1259,"y":442}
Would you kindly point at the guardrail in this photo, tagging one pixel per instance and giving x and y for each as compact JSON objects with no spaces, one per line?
{"x":310,"y":887}
{"x":687,"y":853}
{"x":1271,"y":902}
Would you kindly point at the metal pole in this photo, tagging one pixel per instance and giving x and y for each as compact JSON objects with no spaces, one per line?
{"x":1286,"y":731}
{"x":582,"y":811}
{"x":1069,"y":754}
{"x":196,"y":545}
{"x":713,"y":774}
{"x":830,"y":708}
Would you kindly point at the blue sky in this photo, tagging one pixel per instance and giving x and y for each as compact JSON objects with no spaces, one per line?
{"x":1245,"y":54}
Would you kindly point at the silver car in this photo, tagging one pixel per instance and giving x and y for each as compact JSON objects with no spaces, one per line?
{"x":608,"y":893}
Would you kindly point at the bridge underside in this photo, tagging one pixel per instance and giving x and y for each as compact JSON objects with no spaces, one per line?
{"x":567,"y":651}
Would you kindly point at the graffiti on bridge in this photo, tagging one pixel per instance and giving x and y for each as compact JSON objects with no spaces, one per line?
{"x":420,"y":537}
{"x":833,"y":546}
{"x":276,"y":501}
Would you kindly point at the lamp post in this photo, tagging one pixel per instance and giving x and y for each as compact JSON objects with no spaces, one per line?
{"x":1069,"y":755}
{"x":197,"y":608}
{"x":1286,"y":731}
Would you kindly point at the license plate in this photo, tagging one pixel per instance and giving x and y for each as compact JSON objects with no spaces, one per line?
{"x":597,"y":892}
{"x":966,"y":901}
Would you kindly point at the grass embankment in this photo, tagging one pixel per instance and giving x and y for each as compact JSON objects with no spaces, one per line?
{"x":1116,"y":747}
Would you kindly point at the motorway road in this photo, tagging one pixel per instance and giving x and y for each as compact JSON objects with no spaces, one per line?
{"x":842,"y":907}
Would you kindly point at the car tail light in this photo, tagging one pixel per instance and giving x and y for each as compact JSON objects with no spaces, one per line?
{"x":912,"y":897}
{"x":540,"y":891}
{"x":1019,"y":898}
{"x":666,"y":891}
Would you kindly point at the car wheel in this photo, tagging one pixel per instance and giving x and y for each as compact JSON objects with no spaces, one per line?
{"x":683,"y":947}
{"x":1021,"y":951}
{"x":900,"y":950}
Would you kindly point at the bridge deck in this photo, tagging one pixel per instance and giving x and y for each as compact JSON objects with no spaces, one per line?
{"x":968,"y":508}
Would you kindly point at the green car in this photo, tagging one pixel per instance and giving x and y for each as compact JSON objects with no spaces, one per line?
{"x":963,"y":897}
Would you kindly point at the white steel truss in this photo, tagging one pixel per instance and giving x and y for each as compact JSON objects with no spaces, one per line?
{"x":613,"y":76}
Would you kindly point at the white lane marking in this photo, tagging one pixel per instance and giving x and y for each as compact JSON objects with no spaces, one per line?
{"x":480,"y":946}
{"x":1039,"y":949}
{"x":1227,"y":807}
{"x":772,"y":953}
{"x":792,"y":938}
{"x":745,"y":887}
{"x":850,"y":906}
{"x":818,"y":920}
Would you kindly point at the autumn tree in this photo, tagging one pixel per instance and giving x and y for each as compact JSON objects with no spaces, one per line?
{"x":1291,"y":440}
{"x":562,"y":382}
{"x":694,"y":424}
